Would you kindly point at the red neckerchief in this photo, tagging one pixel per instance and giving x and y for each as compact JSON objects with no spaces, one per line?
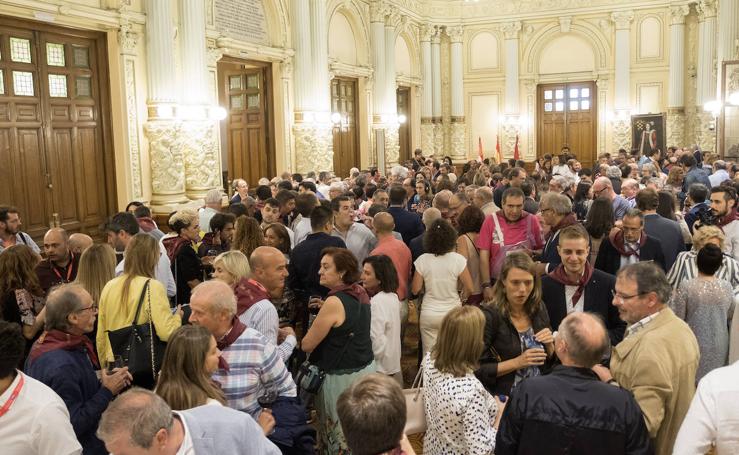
{"x":353,"y":290}
{"x":13,"y":395}
{"x":173,"y":246}
{"x":560,"y":276}
{"x":568,"y":220}
{"x":237,"y":328}
{"x":617,"y":240}
{"x":56,"y":339}
{"x":248,"y":292}
{"x":726,"y":219}
{"x":64,"y":271}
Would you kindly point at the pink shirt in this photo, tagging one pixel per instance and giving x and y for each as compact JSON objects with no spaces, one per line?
{"x":399,"y":253}
{"x":512,"y":233}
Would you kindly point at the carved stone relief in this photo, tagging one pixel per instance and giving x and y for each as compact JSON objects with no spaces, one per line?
{"x":199,"y":148}
{"x":167,"y":163}
{"x":427,"y":137}
{"x":676,"y":128}
{"x":622,"y":133}
{"x":459,"y":150}
{"x":314,"y":149}
{"x":392,"y":145}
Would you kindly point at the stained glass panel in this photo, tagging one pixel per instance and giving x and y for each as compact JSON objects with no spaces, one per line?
{"x":22,"y":83}
{"x":252,"y":81}
{"x":252,"y":101}
{"x":234,"y":82}
{"x":57,"y":85}
{"x":585,"y":93}
{"x":573,"y":105}
{"x":237,"y":101}
{"x":585,"y":105}
{"x":559,"y":106}
{"x":20,"y":50}
{"x":547,"y":94}
{"x":547,"y":107}
{"x":54,"y":54}
{"x":574,"y":93}
{"x":559,"y":94}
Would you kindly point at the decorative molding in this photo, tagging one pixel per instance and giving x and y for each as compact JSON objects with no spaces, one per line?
{"x":427,"y":135}
{"x":198,"y":144}
{"x":345,"y":69}
{"x":511,"y":29}
{"x":675,"y":128}
{"x":458,"y":133}
{"x":456,"y":33}
{"x":132,"y":126}
{"x":622,"y":134}
{"x":377,"y":10}
{"x":213,"y":55}
{"x":167,"y":163}
{"x":565,"y":23}
{"x":678,"y":13}
{"x":706,"y":9}
{"x":660,"y":47}
{"x":127,"y":39}
{"x":622,"y":19}
{"x":313,"y":147}
{"x":427,"y":32}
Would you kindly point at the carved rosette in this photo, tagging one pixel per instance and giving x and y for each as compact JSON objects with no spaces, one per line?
{"x":199,"y":149}
{"x":427,"y":137}
{"x":167,"y":163}
{"x":622,"y":19}
{"x":313,"y":148}
{"x":392,"y":145}
{"x":459,"y":150}
{"x":678,"y":13}
{"x":675,"y":128}
{"x":622,"y":134}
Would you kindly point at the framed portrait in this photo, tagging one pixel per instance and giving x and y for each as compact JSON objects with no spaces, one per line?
{"x":648,"y":132}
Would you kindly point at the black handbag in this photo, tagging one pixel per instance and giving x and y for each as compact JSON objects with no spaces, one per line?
{"x":139,"y":346}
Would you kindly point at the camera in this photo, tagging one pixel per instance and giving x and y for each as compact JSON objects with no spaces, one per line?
{"x":706,"y":217}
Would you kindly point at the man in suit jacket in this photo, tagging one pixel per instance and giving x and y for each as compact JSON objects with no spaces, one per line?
{"x":140,"y":417}
{"x":575,"y":286}
{"x":668,"y":232}
{"x":408,"y":224}
{"x":628,"y":245}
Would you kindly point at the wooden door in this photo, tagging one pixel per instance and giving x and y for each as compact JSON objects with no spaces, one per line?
{"x":567,"y":117}
{"x":244,"y":91}
{"x":54,"y":141}
{"x":404,"y":134}
{"x":346,"y":136}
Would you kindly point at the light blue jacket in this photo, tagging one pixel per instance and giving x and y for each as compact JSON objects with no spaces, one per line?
{"x":217,"y":430}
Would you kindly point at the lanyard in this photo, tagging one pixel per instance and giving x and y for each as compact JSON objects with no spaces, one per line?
{"x":70,"y":266}
{"x":13,"y":396}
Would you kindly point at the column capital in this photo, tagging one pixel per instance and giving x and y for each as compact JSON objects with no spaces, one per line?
{"x":706,"y":9}
{"x":455,"y":32}
{"x":511,"y":29}
{"x":128,"y":39}
{"x":678,"y":13}
{"x":377,"y":11}
{"x":392,"y":18}
{"x":427,"y":31}
{"x":622,"y":19}
{"x":436,"y":36}
{"x":213,"y":54}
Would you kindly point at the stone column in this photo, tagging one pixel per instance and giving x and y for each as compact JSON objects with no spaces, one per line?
{"x":676,"y":94}
{"x":377,"y":30}
{"x":622,"y":82}
{"x":706,"y":74}
{"x":392,"y":127}
{"x":197,"y":133}
{"x":459,"y":149}
{"x":305,"y":144}
{"x":323,"y":157}
{"x":427,"y":91}
{"x":511,"y":125}
{"x":436,"y":103}
{"x":728,"y":35}
{"x":165,"y":155}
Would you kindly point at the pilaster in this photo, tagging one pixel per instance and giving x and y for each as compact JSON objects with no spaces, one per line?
{"x":458,"y":128}
{"x":511,"y":33}
{"x":128,"y":41}
{"x":622,"y":20}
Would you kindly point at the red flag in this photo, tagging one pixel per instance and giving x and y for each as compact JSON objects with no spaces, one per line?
{"x":498,"y":157}
{"x":515,"y":150}
{"x":480,"y":156}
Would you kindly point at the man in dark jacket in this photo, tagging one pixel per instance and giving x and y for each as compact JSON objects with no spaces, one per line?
{"x":64,"y":359}
{"x":570,"y":408}
{"x":408,"y":224}
{"x":575,"y":286}
{"x":693,"y":173}
{"x":667,"y":231}
{"x":628,"y":245}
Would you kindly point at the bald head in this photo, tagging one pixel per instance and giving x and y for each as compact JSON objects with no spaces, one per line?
{"x":582,"y":340}
{"x":602,"y":187}
{"x":383,"y":223}
{"x":56,"y":246}
{"x":264,"y":255}
{"x":215,"y":297}
{"x":79,"y":242}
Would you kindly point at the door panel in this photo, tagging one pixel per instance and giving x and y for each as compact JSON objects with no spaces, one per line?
{"x":345,"y":134}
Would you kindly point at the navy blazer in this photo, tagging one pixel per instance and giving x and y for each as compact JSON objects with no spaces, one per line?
{"x":408,"y":224}
{"x":305,"y":261}
{"x":609,"y":259}
{"x":668,"y":233}
{"x":598,"y":299}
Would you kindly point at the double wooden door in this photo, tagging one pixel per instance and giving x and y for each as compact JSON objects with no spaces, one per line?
{"x":404,"y":134}
{"x":567,"y":117}
{"x":345,"y":134}
{"x":57,"y":161}
{"x":245,"y":89}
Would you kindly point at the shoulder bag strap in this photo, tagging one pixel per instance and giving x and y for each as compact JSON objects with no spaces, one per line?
{"x":498,"y":230}
{"x":141,"y":301}
{"x":151,"y":331}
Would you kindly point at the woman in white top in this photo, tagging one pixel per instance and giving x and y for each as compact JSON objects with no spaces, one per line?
{"x":380,"y":280}
{"x":437,"y":272}
{"x":461,"y":416}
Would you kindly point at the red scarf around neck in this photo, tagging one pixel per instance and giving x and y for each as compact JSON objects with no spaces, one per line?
{"x":248,"y":293}
{"x":56,"y":339}
{"x":617,"y":240}
{"x":726,"y":219}
{"x":173,"y":245}
{"x":560,"y":276}
{"x":237,"y":328}
{"x":568,"y":220}
{"x":354,"y":290}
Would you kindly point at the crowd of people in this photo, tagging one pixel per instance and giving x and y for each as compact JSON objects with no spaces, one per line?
{"x":560,"y":309}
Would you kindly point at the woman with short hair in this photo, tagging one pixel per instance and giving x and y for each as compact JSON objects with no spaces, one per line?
{"x":186,"y":266}
{"x":231,"y":267}
{"x":686,"y":264}
{"x":437,"y":273}
{"x":276,"y":235}
{"x":189,"y":362}
{"x":461,"y":416}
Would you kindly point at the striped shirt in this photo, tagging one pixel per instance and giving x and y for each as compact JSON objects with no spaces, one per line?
{"x":254,"y":368}
{"x":637,"y":326}
{"x":262,"y":317}
{"x":686,"y":268}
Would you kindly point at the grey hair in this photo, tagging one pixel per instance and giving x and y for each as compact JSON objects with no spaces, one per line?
{"x":561,"y":181}
{"x":62,"y":301}
{"x":577,"y":333}
{"x":657,"y":182}
{"x":139,"y":413}
{"x":560,"y":203}
{"x":635,"y":213}
{"x":337,"y":186}
{"x":399,"y":171}
{"x":221,"y":297}
{"x":213,"y":197}
{"x":720,"y":164}
{"x":485,"y":194}
{"x":649,"y":278}
{"x":430,"y":215}
{"x":442,"y":199}
{"x":614,"y":172}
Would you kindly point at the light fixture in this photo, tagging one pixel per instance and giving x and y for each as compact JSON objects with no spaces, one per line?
{"x":164,"y":111}
{"x":217,"y":113}
{"x":734,"y":98}
{"x":713,"y":106}
{"x":402,"y":119}
{"x":336,"y":118}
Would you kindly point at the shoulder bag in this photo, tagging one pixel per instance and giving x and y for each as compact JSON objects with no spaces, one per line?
{"x":415,"y":406}
{"x":138,"y":344}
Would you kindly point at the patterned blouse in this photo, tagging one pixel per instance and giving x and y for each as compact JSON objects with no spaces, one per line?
{"x":459,"y":413}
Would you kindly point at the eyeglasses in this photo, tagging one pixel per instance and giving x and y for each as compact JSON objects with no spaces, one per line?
{"x":623,"y":298}
{"x":597,"y":192}
{"x":92,"y":308}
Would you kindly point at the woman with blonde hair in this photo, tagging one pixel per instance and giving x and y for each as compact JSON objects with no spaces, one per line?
{"x":686,"y":264}
{"x":97,"y":267}
{"x":518,"y":337}
{"x":120,"y":297}
{"x":248,"y":235}
{"x":230,"y":267}
{"x":186,"y":266}
{"x":461,"y":416}
{"x":189,"y":362}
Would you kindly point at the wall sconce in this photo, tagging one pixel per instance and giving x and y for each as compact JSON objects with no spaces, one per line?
{"x":335,"y":118}
{"x":217,"y":113}
{"x":165,"y":111}
{"x":734,"y":98}
{"x":402,"y":119}
{"x":713,"y":106}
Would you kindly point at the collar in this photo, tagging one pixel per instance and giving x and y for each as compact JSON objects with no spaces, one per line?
{"x":575,"y":372}
{"x":639,"y":325}
{"x":186,"y":447}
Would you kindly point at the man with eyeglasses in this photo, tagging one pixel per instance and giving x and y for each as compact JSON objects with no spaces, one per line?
{"x":64,"y":359}
{"x":658,"y":359}
{"x":603,"y":187}
{"x":628,"y":245}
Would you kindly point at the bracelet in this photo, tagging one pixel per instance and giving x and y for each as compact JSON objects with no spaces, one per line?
{"x":485,"y":285}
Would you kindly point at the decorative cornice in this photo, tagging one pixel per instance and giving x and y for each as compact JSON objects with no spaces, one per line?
{"x":377,"y":11}
{"x":622,"y":19}
{"x":511,"y":29}
{"x":678,"y":13}
{"x":427,"y":31}
{"x":456,"y":33}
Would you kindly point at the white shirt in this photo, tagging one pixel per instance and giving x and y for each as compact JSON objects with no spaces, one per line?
{"x":385,"y":332}
{"x":358,"y":240}
{"x":633,"y":259}
{"x":713,"y":416}
{"x":302,"y":229}
{"x":37,"y":423}
{"x":440,"y":274}
{"x":262,"y":317}
{"x":579,"y":305}
{"x":163,"y":272}
{"x":187,"y":447}
{"x":205,"y":214}
{"x":731,"y":246}
{"x":717,"y":177}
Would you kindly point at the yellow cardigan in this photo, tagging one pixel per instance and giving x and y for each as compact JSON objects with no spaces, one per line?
{"x":114,"y":314}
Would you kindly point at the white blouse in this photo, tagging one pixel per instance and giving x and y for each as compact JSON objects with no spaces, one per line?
{"x":459,"y":413}
{"x":385,"y":332}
